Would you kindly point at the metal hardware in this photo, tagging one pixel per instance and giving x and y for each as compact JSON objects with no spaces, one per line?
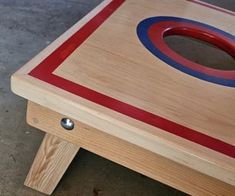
{"x":67,"y":123}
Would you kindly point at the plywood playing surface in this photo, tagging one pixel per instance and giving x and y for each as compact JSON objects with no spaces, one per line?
{"x":101,"y":74}
{"x":113,"y":62}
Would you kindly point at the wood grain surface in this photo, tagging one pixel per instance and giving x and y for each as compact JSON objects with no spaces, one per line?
{"x":50,"y":163}
{"x":128,"y":155}
{"x":113,"y":62}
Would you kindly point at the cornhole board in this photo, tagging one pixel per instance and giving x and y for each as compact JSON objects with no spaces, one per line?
{"x":133,"y":100}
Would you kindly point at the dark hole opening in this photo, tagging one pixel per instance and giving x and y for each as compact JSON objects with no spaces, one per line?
{"x":200,"y":52}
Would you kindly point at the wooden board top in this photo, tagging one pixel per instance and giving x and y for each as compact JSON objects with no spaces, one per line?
{"x":110,"y":71}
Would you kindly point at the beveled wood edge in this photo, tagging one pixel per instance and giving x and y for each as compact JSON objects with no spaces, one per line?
{"x":200,"y":161}
{"x":34,"y":62}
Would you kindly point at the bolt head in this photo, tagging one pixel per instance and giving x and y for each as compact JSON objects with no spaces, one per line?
{"x":67,"y":123}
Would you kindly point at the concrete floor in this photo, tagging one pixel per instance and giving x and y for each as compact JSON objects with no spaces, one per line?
{"x":26,"y":27}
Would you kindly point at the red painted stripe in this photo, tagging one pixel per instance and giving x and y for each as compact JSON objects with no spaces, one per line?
{"x":44,"y":72}
{"x":141,"y":115}
{"x":48,"y":65}
{"x":213,"y":7}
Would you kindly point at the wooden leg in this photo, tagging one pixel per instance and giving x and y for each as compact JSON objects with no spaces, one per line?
{"x":50,"y":163}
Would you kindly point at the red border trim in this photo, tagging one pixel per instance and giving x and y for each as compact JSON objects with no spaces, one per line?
{"x":44,"y":71}
{"x":213,"y":7}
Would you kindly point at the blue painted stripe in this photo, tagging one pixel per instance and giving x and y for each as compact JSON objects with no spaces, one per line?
{"x":142,"y":32}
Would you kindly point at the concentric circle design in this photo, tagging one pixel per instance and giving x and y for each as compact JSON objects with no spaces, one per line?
{"x":152,"y":31}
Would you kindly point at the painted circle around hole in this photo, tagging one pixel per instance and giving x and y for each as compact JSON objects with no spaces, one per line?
{"x":151,"y":32}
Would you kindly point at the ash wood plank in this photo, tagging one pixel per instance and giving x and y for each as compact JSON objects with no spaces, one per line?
{"x":128,"y":155}
{"x":166,"y":92}
{"x":50,"y":163}
{"x":120,"y":67}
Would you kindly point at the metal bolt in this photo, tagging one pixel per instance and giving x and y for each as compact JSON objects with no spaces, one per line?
{"x":67,"y":123}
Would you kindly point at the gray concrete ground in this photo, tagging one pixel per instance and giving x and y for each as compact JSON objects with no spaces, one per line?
{"x":26,"y":27}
